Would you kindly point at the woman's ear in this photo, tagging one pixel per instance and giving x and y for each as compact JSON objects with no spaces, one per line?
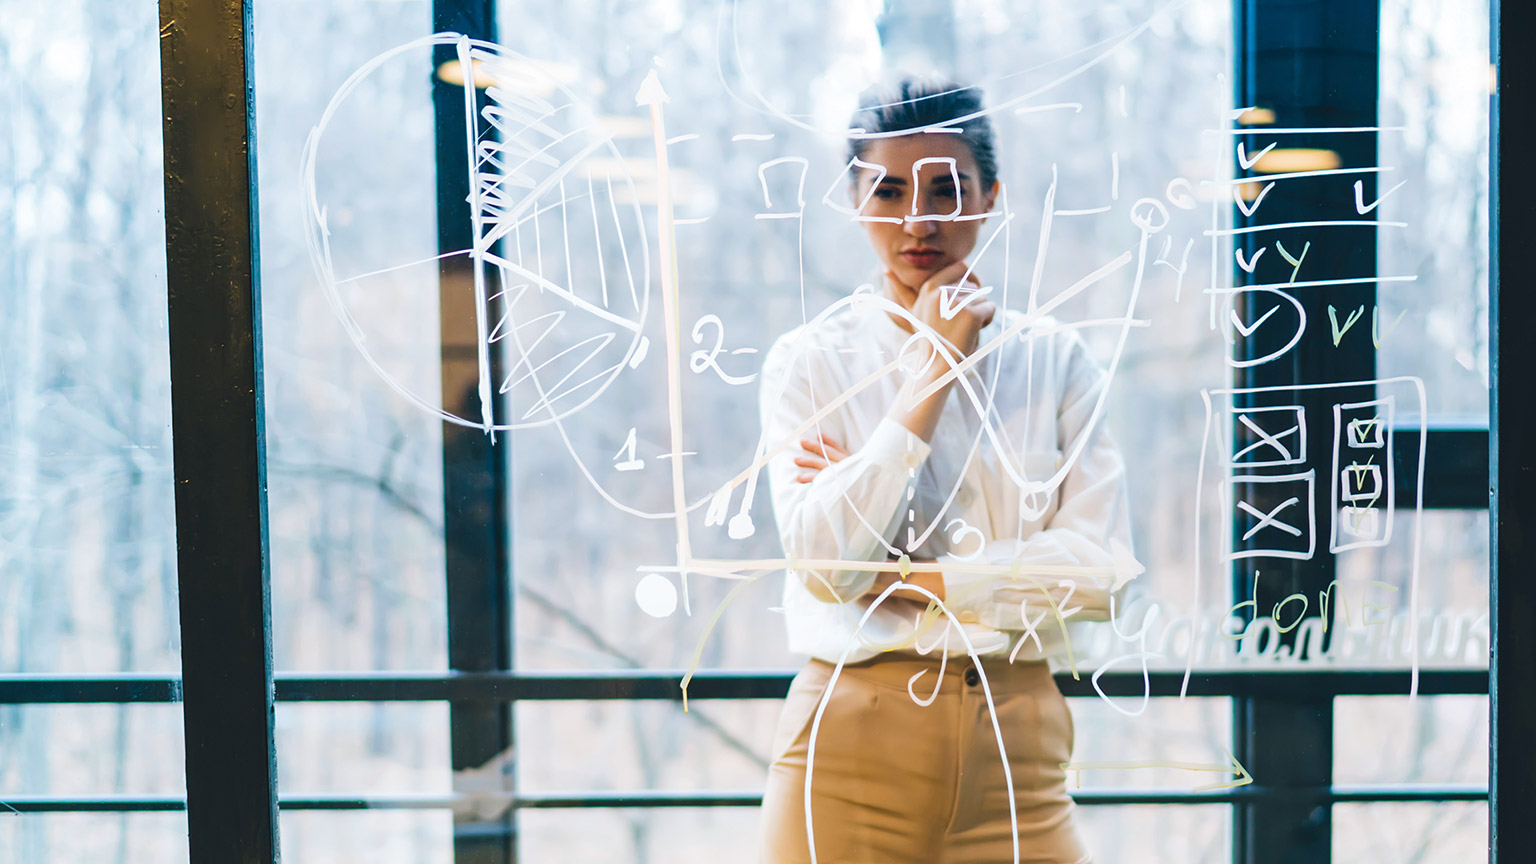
{"x":991,"y":196}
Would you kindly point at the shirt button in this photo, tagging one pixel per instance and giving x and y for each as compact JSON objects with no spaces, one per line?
{"x":972,"y":677}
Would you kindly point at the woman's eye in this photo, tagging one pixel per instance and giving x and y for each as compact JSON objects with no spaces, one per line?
{"x":944,"y":192}
{"x":886,"y":193}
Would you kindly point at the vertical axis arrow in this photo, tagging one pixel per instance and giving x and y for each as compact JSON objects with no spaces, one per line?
{"x":652,"y":95}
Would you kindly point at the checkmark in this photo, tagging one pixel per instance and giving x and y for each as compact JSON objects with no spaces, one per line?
{"x":1248,"y":330}
{"x":1252,"y":262}
{"x":1360,"y":205}
{"x":1242,"y":155}
{"x":1258,"y":199}
{"x":1365,"y":433}
{"x":1338,"y":332}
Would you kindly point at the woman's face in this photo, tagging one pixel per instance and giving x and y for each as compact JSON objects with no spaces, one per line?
{"x":919,"y":182}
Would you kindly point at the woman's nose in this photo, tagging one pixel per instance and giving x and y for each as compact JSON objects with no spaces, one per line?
{"x":918,"y":227}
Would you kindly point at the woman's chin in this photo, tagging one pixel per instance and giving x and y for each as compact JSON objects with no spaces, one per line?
{"x":913,"y":277}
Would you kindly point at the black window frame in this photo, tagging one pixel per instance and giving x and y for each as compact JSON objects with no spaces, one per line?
{"x":228,"y":688}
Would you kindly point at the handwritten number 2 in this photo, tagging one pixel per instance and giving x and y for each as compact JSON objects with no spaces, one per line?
{"x":701,"y":360}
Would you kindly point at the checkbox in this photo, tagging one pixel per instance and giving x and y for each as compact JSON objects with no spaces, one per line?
{"x":1360,"y":484}
{"x":1367,"y":432}
{"x":1275,"y":515}
{"x":1361,"y":522}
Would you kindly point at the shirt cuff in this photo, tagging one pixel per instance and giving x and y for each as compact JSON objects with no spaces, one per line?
{"x":894,"y":444}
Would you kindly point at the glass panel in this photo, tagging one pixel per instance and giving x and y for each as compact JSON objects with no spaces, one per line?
{"x":362,"y":748}
{"x":1394,"y":739}
{"x":685,"y":836}
{"x":87,"y":525}
{"x":1393,"y":833}
{"x":718,"y":744}
{"x":1150,"y":834}
{"x":91,"y":750}
{"x":1146,"y":749}
{"x":660,"y":191}
{"x":355,"y":471}
{"x":419,"y":837}
{"x":1374,"y":598}
{"x":93,"y":837}
{"x":87,"y":529}
{"x":760,"y":275}
{"x":1435,"y":81}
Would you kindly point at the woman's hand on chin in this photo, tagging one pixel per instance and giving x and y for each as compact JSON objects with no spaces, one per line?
{"x":939,"y":295}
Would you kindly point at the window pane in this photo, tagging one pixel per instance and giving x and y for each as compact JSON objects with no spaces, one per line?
{"x":1435,"y":80}
{"x":93,"y":837}
{"x":362,"y":748}
{"x":355,"y":471}
{"x":1150,"y":834}
{"x":718,"y":744}
{"x":87,"y":530}
{"x":1375,"y":602}
{"x":91,"y":750}
{"x":411,"y":837}
{"x":1395,"y":739}
{"x":1391,"y":833}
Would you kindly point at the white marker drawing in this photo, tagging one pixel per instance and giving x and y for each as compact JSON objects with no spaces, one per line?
{"x":1295,"y":516}
{"x":584,"y":336}
{"x":1364,"y":488}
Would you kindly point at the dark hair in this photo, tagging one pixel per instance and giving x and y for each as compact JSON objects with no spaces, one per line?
{"x":916,"y":103}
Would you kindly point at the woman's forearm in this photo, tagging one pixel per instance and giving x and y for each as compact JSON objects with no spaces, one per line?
{"x":921,"y":418}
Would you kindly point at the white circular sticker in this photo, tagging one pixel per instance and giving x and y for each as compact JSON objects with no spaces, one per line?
{"x":656,"y":595}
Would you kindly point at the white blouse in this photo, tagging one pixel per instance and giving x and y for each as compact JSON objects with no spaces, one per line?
{"x":1041,"y":484}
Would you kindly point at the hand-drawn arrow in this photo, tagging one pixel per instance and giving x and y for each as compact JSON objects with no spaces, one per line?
{"x":1232,"y":766}
{"x":650,"y":94}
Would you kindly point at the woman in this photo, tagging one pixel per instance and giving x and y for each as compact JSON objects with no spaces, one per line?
{"x":997,"y":484}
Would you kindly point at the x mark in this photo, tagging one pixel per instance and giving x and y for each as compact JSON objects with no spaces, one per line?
{"x":1269,"y":519}
{"x":1264,"y":438}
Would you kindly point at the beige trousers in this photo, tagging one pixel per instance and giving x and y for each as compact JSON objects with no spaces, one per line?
{"x":896,"y":781}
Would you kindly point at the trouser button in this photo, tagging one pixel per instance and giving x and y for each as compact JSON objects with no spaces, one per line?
{"x":972,"y":677}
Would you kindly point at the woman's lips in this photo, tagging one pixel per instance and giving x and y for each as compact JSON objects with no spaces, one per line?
{"x":922,"y":259}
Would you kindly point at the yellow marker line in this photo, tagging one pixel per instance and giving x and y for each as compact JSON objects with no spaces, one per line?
{"x":1232,"y":766}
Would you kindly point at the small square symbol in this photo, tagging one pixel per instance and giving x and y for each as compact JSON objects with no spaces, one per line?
{"x":1367,"y":432}
{"x":1361,"y":522}
{"x":1361,"y":484}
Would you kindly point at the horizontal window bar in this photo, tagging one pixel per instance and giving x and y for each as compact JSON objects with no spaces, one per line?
{"x":500,"y":687}
{"x":1455,"y":467}
{"x":1382,"y":793}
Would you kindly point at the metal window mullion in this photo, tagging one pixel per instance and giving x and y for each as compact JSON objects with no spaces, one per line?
{"x":214,"y":316}
{"x":1512,"y":475}
{"x":476,"y":463}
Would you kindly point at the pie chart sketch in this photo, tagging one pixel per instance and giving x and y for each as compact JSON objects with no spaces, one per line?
{"x":559,"y":261}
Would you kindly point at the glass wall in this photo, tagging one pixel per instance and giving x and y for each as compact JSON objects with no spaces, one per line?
{"x":87,"y":530}
{"x":518,"y":287}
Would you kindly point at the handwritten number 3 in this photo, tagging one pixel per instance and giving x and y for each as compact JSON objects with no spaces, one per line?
{"x":959,"y":535}
{"x":701,"y":360}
